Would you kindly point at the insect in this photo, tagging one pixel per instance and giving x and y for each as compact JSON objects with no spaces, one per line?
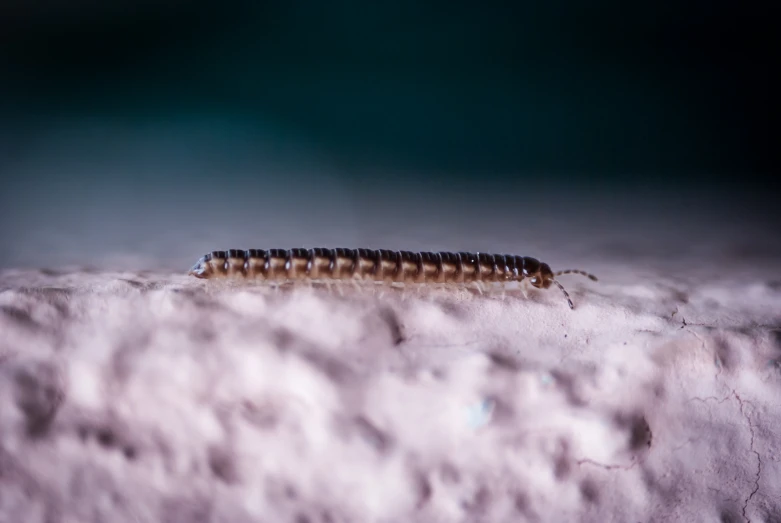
{"x":379,"y":266}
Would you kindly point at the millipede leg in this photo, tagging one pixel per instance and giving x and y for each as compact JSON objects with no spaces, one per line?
{"x":525,"y":288}
{"x":356,"y":285}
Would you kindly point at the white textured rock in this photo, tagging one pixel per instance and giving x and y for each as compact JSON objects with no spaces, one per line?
{"x":128,"y":397}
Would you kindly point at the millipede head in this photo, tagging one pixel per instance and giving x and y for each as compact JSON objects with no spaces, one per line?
{"x":545,"y":277}
{"x":542,"y":278}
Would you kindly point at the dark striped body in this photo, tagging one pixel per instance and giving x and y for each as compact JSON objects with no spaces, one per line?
{"x":365,"y":264}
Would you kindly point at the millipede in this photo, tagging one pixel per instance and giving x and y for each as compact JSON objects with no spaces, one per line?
{"x":380,"y":266}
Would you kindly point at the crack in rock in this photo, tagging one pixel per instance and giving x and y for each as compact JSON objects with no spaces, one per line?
{"x":741,"y":404}
{"x":706,"y":399}
{"x":759,"y":458}
{"x":587,"y":461}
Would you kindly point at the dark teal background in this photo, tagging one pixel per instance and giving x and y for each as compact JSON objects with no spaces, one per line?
{"x":146,"y":103}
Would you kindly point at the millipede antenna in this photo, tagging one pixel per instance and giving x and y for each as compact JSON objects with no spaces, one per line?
{"x":577,"y":271}
{"x":566,"y":294}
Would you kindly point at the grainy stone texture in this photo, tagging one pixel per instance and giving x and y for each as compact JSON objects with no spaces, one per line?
{"x":154,"y":397}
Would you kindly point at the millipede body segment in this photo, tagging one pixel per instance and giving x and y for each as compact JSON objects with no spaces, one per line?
{"x":381,"y":265}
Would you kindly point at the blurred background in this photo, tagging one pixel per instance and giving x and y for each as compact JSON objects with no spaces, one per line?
{"x":142,"y":134}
